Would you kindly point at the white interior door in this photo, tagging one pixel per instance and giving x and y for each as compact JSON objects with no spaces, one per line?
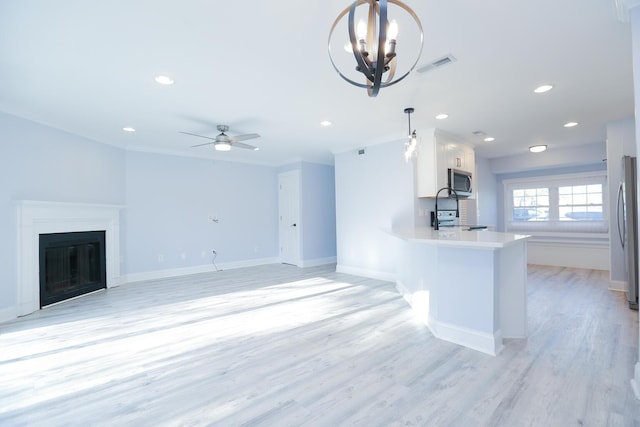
{"x":289,"y":207}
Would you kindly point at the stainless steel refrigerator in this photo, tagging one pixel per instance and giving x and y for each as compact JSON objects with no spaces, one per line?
{"x":627,"y":216}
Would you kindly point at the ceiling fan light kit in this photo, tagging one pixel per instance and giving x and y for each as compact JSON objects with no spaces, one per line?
{"x":373,"y":44}
{"x":223,"y":142}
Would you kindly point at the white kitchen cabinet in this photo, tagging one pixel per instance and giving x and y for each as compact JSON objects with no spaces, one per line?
{"x":438,"y":152}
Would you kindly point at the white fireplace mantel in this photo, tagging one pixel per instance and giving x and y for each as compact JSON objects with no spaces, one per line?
{"x":40,"y":217}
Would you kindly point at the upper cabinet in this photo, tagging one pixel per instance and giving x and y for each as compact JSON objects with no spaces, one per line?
{"x":437,"y":153}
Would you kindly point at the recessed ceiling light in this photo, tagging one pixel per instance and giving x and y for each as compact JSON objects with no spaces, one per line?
{"x":442,"y":116}
{"x":164,"y":80}
{"x":128,"y":129}
{"x":489,"y":139}
{"x":537,"y":148}
{"x":543,"y":88}
{"x":570,"y":124}
{"x":325,"y":123}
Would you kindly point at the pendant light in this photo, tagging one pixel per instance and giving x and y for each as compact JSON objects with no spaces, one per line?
{"x":412,"y":142}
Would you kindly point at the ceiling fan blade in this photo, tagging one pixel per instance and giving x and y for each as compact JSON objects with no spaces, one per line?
{"x":243,"y":145}
{"x":206,"y":143}
{"x":201,"y":136}
{"x":244,"y":137}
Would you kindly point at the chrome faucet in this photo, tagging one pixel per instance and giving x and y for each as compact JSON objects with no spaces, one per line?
{"x":436,"y":224}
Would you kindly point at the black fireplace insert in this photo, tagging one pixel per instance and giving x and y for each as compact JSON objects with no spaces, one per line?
{"x":71,"y":264}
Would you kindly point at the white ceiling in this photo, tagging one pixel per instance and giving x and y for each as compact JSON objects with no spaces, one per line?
{"x":88,"y":67}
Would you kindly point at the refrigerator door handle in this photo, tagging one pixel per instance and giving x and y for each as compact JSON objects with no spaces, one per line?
{"x":621,"y":232}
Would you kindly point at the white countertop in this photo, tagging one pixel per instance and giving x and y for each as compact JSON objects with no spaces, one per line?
{"x":458,"y":237}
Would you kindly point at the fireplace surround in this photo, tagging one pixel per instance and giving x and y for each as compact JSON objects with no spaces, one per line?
{"x":41,"y":217}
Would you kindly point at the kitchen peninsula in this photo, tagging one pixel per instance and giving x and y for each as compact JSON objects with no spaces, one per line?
{"x":469,"y":287}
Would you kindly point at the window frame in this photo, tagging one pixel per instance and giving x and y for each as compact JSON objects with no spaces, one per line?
{"x":554,"y":226}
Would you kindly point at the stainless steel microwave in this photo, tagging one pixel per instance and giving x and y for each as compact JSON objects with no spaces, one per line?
{"x":460,"y":181}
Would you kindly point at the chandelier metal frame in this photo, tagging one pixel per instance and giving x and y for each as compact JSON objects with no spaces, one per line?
{"x":373,"y":70}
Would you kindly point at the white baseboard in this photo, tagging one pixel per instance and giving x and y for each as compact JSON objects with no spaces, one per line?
{"x":206,"y":268}
{"x":364,"y":272}
{"x":317,"y":262}
{"x":248,"y":263}
{"x":470,"y":338}
{"x":8,"y":314}
{"x":402,"y":289}
{"x":617,"y":285}
{"x":635,"y":381}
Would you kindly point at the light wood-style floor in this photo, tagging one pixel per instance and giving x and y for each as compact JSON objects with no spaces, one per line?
{"x":282,"y":346}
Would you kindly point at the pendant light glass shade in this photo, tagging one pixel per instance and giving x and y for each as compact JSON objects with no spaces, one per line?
{"x":411,"y":146}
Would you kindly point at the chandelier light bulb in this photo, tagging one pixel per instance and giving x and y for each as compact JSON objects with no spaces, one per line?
{"x":362,"y":30}
{"x":392,"y":33}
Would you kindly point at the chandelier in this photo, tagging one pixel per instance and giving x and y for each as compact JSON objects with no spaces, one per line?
{"x":412,"y":142}
{"x":373,"y":43}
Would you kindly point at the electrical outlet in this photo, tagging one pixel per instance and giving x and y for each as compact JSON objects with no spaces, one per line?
{"x":183,"y":256}
{"x":160,"y":258}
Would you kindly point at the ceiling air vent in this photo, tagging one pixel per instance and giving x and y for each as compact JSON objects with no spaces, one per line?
{"x":437,"y":63}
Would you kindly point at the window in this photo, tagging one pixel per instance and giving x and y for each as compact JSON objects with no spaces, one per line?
{"x":530,"y":204}
{"x":566,"y":203}
{"x":580,"y":202}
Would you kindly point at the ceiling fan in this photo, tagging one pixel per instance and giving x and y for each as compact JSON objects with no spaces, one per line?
{"x":223,"y":142}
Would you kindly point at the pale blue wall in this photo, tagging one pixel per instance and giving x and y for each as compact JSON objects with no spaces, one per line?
{"x":553,"y":157}
{"x":374,"y":191}
{"x":536,"y":173}
{"x":169,"y":201}
{"x":318,"y":211}
{"x":41,"y":163}
{"x":486,"y":193}
{"x":554,"y":161}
